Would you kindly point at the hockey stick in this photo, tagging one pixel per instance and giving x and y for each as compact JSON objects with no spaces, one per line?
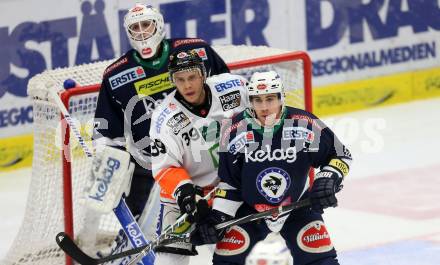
{"x":70,"y":122}
{"x":122,"y":212}
{"x":272,"y":212}
{"x":245,"y":219}
{"x":67,"y":244}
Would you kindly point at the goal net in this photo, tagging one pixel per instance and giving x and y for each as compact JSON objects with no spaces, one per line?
{"x":60,"y":168}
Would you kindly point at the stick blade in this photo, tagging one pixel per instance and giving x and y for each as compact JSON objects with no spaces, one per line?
{"x":70,"y":248}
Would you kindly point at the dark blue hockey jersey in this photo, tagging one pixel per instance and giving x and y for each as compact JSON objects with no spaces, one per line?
{"x":269,"y":167}
{"x":132,"y":88}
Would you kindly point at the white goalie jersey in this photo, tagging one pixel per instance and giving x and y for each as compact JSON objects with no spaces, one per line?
{"x":185,"y":145}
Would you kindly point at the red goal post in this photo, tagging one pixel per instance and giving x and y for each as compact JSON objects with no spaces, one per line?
{"x":60,"y":169}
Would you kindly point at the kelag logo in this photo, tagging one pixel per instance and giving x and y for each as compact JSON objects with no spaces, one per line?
{"x":94,"y":30}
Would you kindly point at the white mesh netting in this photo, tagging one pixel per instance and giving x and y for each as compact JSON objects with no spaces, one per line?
{"x":44,"y":216}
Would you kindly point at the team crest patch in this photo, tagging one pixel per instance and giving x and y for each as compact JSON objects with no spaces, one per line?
{"x":235,"y":241}
{"x":314,"y":238}
{"x":273,"y":184}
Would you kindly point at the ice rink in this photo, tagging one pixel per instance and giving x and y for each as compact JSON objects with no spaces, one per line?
{"x":389,"y":209}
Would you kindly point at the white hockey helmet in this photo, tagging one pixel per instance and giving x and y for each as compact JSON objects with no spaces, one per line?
{"x":144,"y":26}
{"x":265,"y":83}
{"x":269,"y":252}
{"x":262,"y":83}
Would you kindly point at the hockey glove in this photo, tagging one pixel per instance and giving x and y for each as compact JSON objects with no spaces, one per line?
{"x":324,"y":188}
{"x":191,"y":202}
{"x":206,"y":233}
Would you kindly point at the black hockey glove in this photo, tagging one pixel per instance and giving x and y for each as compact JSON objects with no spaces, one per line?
{"x":206,"y":233}
{"x":190,"y":201}
{"x":324,"y":188}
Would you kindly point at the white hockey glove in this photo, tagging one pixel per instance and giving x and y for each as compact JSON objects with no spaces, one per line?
{"x":110,"y":179}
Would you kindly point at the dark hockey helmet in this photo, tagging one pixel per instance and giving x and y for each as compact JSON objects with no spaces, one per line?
{"x":186,"y":61}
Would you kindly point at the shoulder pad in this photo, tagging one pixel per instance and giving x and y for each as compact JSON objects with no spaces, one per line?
{"x":230,"y":130}
{"x":121,"y":61}
{"x":163,"y":113}
{"x":186,"y":41}
{"x":225,"y":82}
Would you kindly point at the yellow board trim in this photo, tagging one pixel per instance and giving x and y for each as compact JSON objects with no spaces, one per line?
{"x":376,"y":91}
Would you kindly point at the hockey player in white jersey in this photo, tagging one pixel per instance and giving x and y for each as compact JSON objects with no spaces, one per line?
{"x":185,"y":132}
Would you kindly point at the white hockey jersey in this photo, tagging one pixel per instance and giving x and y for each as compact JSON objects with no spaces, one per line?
{"x":185,"y":145}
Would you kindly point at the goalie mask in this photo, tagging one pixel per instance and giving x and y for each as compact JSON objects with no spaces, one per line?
{"x":264,"y":83}
{"x":144,"y":26}
{"x":272,"y":252}
{"x":186,"y":61}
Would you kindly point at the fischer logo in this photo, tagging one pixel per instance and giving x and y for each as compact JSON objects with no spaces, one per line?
{"x":101,"y":184}
{"x":135,"y":234}
{"x":289,"y":155}
{"x":235,"y":241}
{"x":314,"y":238}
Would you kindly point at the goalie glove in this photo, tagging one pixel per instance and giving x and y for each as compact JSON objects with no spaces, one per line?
{"x":110,"y":179}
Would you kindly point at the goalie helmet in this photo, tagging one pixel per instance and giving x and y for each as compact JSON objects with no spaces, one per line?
{"x":272,"y":252}
{"x":144,"y":26}
{"x":186,"y":61}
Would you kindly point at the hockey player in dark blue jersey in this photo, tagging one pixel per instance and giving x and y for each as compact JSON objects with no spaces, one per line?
{"x":134,"y":85}
{"x":265,"y":157}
